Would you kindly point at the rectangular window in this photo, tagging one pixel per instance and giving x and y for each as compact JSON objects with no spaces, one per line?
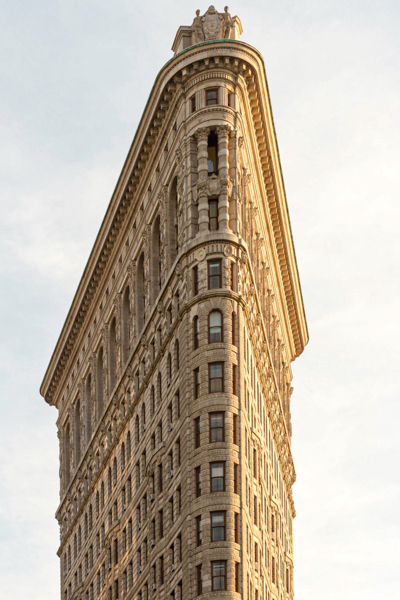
{"x":199,"y":535}
{"x":193,"y":103}
{"x":196,"y":374}
{"x":197,"y":432}
{"x":213,"y":215}
{"x":236,"y":478}
{"x":196,"y":280}
{"x":218,"y":575}
{"x":161,"y":570}
{"x":216,"y":377}
{"x":218,"y":526}
{"x":233,"y":329}
{"x":214,"y":274}
{"x":198,"y":481}
{"x":235,"y":430}
{"x":217,"y":476}
{"x":237,"y":578}
{"x":217,"y":427}
{"x":211,"y":96}
{"x":196,"y":332}
{"x":234,"y":380}
{"x":230,"y":99}
{"x":237,"y":528}
{"x":199,"y":572}
{"x":233,"y":277}
{"x":161,"y":522}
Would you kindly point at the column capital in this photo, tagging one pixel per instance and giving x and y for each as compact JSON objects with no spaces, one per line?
{"x":202,"y":133}
{"x":223,"y":131}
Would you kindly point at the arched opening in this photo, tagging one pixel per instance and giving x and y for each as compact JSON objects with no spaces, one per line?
{"x":155,"y":260}
{"x":173,"y":221}
{"x":140,"y":295}
{"x":99,"y":385}
{"x":77,"y":432}
{"x":67,"y":446}
{"x":113,"y":354}
{"x":126,"y":315}
{"x":88,"y":405}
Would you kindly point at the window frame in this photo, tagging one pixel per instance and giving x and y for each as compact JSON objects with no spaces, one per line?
{"x":214,"y":562}
{"x":219,"y":261}
{"x":197,"y":433}
{"x":193,"y":103}
{"x":213,"y":201}
{"x":196,"y":280}
{"x":207,"y":91}
{"x":197,"y":472}
{"x":199,"y":580}
{"x":218,"y":462}
{"x":215,"y":310}
{"x":196,"y":332}
{"x":199,"y":531}
{"x":223,"y":527}
{"x":236,"y":478}
{"x":222,"y":390}
{"x":210,"y":415}
{"x":196,"y":375}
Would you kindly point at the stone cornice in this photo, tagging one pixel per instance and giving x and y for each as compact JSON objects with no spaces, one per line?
{"x":243,"y":60}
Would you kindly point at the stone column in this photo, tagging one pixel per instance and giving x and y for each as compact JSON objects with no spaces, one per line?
{"x":223,"y":166}
{"x":202,"y":180}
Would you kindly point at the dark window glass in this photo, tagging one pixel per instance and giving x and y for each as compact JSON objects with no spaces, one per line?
{"x":196,"y":330}
{"x":233,"y":329}
{"x":217,"y":526}
{"x":214,"y":274}
{"x":218,"y":477}
{"x":198,"y":481}
{"x":199,"y":570}
{"x":217,"y":427}
{"x":213,"y":214}
{"x":197,"y":432}
{"x":237,"y":577}
{"x":234,"y":379}
{"x":236,"y":478}
{"x":216,"y":377}
{"x":199,"y":535}
{"x":193,"y":103}
{"x":212,"y":154}
{"x":218,"y":574}
{"x":235,"y":429}
{"x":196,"y":280}
{"x":236,"y":528}
{"x":212,"y":97}
{"x":196,"y":383}
{"x":215,"y":326}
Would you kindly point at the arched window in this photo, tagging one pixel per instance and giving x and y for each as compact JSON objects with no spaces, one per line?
{"x":196,"y":331}
{"x":122,"y":456}
{"x":214,"y":327}
{"x":140,"y":295}
{"x":155,"y":260}
{"x":77,"y":433}
{"x":233,"y":329}
{"x":113,"y":355}
{"x":126,"y":313}
{"x":176,"y":355}
{"x":173,"y":233}
{"x":99,"y":385}
{"x":169,"y":366}
{"x":88,"y":406}
{"x":67,"y":457}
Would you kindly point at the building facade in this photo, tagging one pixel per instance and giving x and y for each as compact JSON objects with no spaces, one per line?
{"x":172,"y":373}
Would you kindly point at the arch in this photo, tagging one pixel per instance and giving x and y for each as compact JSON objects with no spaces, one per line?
{"x":140,"y":295}
{"x":67,"y":455}
{"x":113,"y":354}
{"x":156,"y":259}
{"x":99,"y":385}
{"x":173,"y":233}
{"x":126,"y":315}
{"x":88,"y":406}
{"x":77,"y":432}
{"x":214,"y":326}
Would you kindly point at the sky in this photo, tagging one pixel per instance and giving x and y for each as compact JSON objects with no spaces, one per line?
{"x":74,"y":80}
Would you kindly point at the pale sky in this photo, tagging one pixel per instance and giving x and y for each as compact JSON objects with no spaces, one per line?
{"x":75,"y":77}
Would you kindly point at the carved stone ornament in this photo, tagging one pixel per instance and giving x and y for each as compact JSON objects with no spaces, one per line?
{"x":197,"y":29}
{"x":160,"y":306}
{"x":212,"y":21}
{"x":200,"y":254}
{"x":228,"y":250}
{"x":169,"y":292}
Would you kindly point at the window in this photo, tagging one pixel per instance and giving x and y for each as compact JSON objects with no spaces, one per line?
{"x":233,"y":329}
{"x":193,"y":103}
{"x":217,"y":476}
{"x":230,"y":99}
{"x":161,"y":523}
{"x":197,"y":432}
{"x":218,"y":526}
{"x":235,"y":430}
{"x":236,"y":478}
{"x":218,"y":575}
{"x":199,"y":573}
{"x":213,"y":215}
{"x":214,"y":274}
{"x":214,"y":327}
{"x":234,"y":380}
{"x":216,"y":377}
{"x":198,"y":481}
{"x":196,"y":373}
{"x":217,"y":427}
{"x":212,"y":154}
{"x":237,"y":528}
{"x":196,"y":330}
{"x":199,"y":537}
{"x":211,"y":96}
{"x":161,"y":570}
{"x":233,"y":277}
{"x":237,"y":577}
{"x":196,"y":280}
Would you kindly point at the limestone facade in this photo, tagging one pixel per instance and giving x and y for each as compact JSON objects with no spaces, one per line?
{"x":172,"y":373}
